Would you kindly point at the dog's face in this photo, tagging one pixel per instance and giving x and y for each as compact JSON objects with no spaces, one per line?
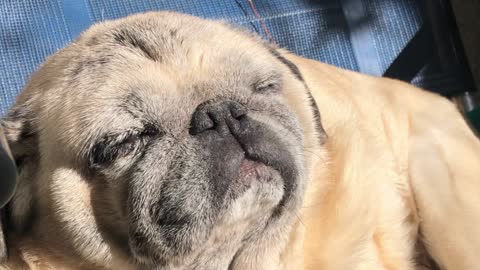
{"x":167,"y":138}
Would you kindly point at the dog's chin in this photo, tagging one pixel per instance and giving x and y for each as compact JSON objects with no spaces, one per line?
{"x":253,"y":174}
{"x":257,"y":190}
{"x":253,"y":197}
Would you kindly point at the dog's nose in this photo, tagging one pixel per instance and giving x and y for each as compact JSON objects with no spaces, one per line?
{"x":223,"y":117}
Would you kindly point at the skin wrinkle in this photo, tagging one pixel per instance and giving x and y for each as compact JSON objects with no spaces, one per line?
{"x":127,"y":38}
{"x":296,"y":72}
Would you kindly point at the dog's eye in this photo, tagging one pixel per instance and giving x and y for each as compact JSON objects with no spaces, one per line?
{"x":268,"y":86}
{"x":109,"y":149}
{"x":113,"y":147}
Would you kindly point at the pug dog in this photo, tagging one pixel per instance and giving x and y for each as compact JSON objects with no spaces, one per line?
{"x":167,"y":141}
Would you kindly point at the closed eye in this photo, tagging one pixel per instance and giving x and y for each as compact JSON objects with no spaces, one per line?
{"x":270,"y":85}
{"x":267,"y":87}
{"x":114,"y":146}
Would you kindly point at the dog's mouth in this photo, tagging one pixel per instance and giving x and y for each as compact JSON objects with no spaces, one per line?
{"x":251,"y":172}
{"x":247,"y":179}
{"x":185,"y":234}
{"x":256,"y":170}
{"x":250,"y":168}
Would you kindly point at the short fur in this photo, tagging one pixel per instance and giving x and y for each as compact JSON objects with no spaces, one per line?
{"x":166,"y":141}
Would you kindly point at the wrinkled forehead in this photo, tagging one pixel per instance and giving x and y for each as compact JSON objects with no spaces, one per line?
{"x":178,"y":46}
{"x":176,"y":52}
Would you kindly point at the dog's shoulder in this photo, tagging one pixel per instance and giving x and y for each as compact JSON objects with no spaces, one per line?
{"x":383,"y":132}
{"x":372,"y":125}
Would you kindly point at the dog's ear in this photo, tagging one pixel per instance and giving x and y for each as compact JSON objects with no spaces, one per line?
{"x":21,"y":136}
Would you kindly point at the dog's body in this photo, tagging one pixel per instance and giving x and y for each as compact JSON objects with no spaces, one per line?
{"x":388,"y":178}
{"x":404,"y":171}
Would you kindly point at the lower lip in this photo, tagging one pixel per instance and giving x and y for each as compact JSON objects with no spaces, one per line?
{"x":250,"y":168}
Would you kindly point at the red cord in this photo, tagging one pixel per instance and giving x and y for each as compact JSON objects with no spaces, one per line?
{"x":264,"y":27}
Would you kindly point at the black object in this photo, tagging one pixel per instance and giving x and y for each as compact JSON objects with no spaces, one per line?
{"x":413,"y":57}
{"x":8,"y":173}
{"x":437,"y":46}
{"x":8,"y":182}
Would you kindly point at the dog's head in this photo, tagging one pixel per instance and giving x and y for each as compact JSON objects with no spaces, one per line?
{"x":166,"y":138}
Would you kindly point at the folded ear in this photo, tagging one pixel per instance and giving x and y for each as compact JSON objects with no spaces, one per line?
{"x":21,"y":137}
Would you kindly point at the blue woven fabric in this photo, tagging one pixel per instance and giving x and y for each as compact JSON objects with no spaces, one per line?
{"x":30,"y":30}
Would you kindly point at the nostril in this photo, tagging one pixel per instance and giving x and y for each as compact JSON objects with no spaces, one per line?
{"x":201,"y":121}
{"x":224,"y":117}
{"x":237,"y":110}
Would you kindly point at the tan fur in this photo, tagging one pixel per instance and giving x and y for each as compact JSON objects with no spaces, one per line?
{"x":401,"y":162}
{"x":399,"y":166}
